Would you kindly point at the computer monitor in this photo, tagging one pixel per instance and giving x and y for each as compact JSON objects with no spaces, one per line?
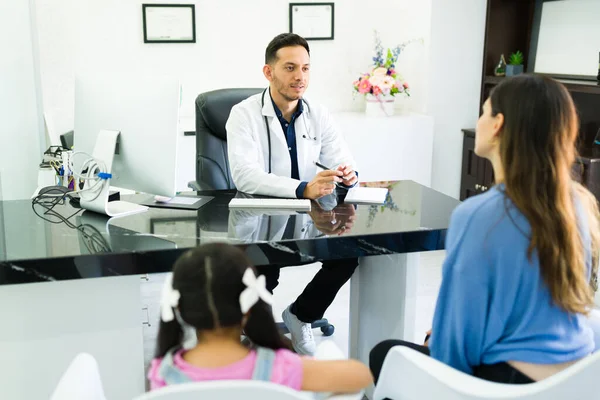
{"x":144,"y":110}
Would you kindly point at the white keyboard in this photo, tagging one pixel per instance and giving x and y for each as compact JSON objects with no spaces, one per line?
{"x":276,"y":204}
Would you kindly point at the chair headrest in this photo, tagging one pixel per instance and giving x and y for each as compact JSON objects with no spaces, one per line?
{"x":215,"y":106}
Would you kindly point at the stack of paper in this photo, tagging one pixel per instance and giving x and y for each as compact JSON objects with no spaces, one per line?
{"x":282,"y":204}
{"x":366,"y":195}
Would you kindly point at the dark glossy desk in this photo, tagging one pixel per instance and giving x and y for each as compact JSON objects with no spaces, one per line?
{"x":46,"y":270}
{"x":413,"y":219}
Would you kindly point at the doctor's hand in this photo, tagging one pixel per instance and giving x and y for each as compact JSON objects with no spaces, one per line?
{"x":349,"y":177}
{"x":322,"y":185}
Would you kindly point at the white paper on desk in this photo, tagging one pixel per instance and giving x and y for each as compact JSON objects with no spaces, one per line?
{"x":366,"y":195}
{"x":188,"y":201}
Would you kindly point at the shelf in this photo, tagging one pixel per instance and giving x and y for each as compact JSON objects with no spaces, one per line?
{"x":493,"y":80}
{"x":573,"y":85}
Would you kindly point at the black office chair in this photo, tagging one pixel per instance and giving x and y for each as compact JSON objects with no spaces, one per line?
{"x":212,"y":163}
{"x":212,"y":112}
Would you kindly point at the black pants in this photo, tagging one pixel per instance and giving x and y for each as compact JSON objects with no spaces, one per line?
{"x":501,"y":372}
{"x":320,"y":292}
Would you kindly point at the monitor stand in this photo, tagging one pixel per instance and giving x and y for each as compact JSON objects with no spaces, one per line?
{"x":104,"y":150}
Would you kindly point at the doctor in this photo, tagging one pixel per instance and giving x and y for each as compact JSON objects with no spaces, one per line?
{"x":274,"y":139}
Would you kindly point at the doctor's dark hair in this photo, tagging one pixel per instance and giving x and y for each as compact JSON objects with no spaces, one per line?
{"x":209,"y":280}
{"x":283,"y":40}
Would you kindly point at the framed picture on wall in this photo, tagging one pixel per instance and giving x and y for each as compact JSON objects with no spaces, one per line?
{"x":169,"y":23}
{"x":312,"y":21}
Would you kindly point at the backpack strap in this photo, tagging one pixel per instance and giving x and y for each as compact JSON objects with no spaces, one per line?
{"x":169,"y":372}
{"x":263,"y":368}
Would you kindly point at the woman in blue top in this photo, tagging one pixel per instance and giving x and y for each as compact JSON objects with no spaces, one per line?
{"x":521,"y":266}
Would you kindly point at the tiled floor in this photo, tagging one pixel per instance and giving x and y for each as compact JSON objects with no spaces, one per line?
{"x":292,"y":282}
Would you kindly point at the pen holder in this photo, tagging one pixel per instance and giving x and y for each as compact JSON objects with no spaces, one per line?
{"x":68,"y":182}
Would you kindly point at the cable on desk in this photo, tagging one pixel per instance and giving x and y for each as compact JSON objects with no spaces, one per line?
{"x":93,"y":171}
{"x":50,"y":197}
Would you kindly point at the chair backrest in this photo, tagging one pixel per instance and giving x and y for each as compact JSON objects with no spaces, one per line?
{"x":225,"y":390}
{"x":410,"y":375}
{"x":212,"y":111}
{"x":81,"y":380}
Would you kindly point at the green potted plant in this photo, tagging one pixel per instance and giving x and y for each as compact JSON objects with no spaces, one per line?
{"x":515,"y":64}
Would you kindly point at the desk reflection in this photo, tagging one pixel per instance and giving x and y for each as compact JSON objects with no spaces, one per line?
{"x":327,"y":217}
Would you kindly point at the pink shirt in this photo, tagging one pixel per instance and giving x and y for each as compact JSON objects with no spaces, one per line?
{"x":287,"y":370}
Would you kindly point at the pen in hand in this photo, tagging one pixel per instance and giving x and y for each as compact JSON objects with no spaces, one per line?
{"x":318,"y":164}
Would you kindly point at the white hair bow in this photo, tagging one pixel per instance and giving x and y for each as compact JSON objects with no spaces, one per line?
{"x":256,"y":289}
{"x":169,"y":299}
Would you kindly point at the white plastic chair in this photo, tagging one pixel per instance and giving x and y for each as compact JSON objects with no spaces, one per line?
{"x":409,"y":375}
{"x":81,"y":380}
{"x":224,"y":390}
{"x":234,"y":390}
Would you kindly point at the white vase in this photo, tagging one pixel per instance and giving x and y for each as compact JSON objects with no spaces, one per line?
{"x":382,"y":106}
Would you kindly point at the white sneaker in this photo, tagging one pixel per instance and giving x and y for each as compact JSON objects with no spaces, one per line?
{"x":302,"y":334}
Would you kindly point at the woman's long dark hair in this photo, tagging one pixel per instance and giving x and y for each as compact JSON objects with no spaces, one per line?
{"x":537,"y":152}
{"x":209,"y":280}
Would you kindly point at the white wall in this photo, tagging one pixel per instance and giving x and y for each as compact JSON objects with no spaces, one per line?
{"x":231,"y":39}
{"x":21,"y":124}
{"x":456,"y":60}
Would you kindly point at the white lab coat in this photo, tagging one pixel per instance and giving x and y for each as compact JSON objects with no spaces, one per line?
{"x":317,"y":139}
{"x":250,"y":226}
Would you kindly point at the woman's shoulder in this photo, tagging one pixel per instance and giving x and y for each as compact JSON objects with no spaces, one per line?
{"x":479,"y":210}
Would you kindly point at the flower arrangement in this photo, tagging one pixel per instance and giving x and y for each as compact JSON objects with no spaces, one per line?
{"x":383,"y":79}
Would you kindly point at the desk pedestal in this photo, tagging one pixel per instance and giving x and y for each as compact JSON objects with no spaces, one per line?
{"x":382,"y":302}
{"x":45,"y":325}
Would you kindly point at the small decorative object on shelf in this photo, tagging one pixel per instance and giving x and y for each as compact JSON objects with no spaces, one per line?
{"x":383,"y":82}
{"x":500,"y":69}
{"x":515,"y":64}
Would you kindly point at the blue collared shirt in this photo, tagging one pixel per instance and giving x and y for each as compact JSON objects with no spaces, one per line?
{"x":493,"y":304}
{"x":289,"y":131}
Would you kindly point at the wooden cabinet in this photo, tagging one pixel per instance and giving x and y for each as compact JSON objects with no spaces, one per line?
{"x":477,"y":173}
{"x":587,"y":170}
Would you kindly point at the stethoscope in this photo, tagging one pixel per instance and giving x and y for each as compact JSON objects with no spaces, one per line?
{"x":306,"y":136}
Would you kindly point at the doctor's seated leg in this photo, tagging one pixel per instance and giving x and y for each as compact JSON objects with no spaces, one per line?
{"x":312,"y":303}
